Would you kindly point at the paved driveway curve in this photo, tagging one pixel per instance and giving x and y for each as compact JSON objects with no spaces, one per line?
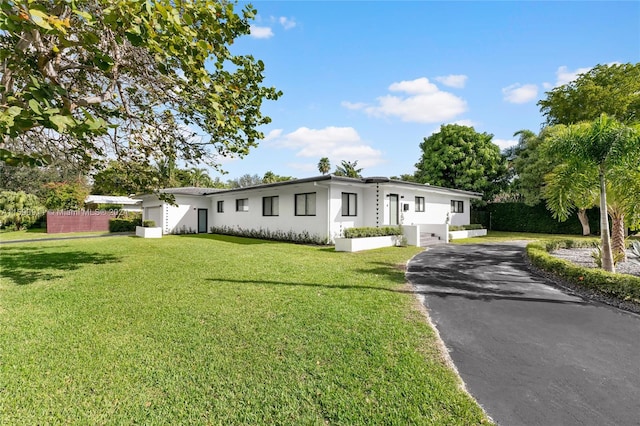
{"x":530,"y":353}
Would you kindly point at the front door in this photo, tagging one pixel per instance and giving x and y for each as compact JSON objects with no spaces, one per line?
{"x":202,"y":221}
{"x":393,"y":209}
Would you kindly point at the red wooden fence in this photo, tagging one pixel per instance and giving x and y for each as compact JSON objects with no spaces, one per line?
{"x":78,"y":220}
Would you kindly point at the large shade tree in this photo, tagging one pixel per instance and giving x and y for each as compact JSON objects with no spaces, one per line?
{"x":459,"y":157}
{"x":127,"y":79}
{"x":610,"y":89}
{"x":595,"y":152}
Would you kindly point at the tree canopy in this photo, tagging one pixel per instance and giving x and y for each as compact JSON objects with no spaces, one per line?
{"x":459,"y":157}
{"x":348,"y":169}
{"x":130,"y":80}
{"x":610,"y":89}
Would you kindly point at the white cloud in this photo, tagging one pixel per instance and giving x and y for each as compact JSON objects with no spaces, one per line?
{"x":454,"y":80}
{"x":261,"y":32}
{"x":520,"y":93}
{"x":466,"y":122}
{"x":423,"y":103}
{"x":273,"y":134}
{"x":353,"y":105}
{"x":287,"y":23}
{"x":505,"y":143}
{"x":565,"y":76}
{"x":336,"y":143}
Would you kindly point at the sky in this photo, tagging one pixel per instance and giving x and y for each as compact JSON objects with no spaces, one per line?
{"x":367,"y":81}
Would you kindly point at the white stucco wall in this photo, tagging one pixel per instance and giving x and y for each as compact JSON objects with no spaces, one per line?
{"x":285,"y":221}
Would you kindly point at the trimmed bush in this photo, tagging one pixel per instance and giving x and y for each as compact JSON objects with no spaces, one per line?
{"x":372,"y":231}
{"x":470,"y":227}
{"x":266,"y":234}
{"x":149,"y":223}
{"x":621,"y":286}
{"x":124,"y":225}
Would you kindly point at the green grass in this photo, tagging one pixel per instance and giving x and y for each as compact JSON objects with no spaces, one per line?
{"x":500,"y":237}
{"x":38,"y":233}
{"x":217,"y":330}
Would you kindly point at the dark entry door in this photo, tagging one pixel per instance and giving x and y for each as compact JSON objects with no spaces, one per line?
{"x":202,"y":221}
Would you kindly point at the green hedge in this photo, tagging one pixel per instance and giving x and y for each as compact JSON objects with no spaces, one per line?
{"x":519,"y":217}
{"x":621,"y":286}
{"x":470,"y":227}
{"x":124,"y":225}
{"x":372,"y":231}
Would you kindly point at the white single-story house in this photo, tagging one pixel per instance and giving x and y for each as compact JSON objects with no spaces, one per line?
{"x":322,"y":206}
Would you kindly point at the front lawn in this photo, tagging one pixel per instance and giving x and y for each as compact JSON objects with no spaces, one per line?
{"x":501,"y":237}
{"x":216,"y":330}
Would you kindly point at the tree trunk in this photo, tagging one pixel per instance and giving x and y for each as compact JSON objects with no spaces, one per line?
{"x":584,"y":221}
{"x":607,"y":257}
{"x":617,"y":236}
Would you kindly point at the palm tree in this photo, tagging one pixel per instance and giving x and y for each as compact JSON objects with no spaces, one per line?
{"x":324,"y":166}
{"x":348,"y":169}
{"x":199,"y":177}
{"x":596,"y":148}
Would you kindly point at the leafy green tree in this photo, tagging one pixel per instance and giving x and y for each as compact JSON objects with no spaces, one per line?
{"x":270,"y":177}
{"x":31,"y":179}
{"x":348,"y":169}
{"x":324,"y":166}
{"x":65,"y":195}
{"x":610,"y":89}
{"x":19,"y":210}
{"x":597,"y":148}
{"x":199,"y":178}
{"x":244,"y":181}
{"x":459,"y":157}
{"x":128,"y":79}
{"x":121,"y":178}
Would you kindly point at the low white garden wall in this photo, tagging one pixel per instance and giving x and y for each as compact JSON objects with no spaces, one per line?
{"x":368,"y":243}
{"x":155,"y":232}
{"x":455,"y":235}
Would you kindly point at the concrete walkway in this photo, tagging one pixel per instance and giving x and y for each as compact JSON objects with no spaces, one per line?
{"x":530,"y":353}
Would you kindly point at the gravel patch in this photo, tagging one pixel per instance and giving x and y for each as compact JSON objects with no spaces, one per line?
{"x":582,"y":257}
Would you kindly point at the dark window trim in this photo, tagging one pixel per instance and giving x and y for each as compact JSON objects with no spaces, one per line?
{"x":264,"y":205}
{"x":295,"y":201}
{"x":220,"y":206}
{"x":348,"y":204}
{"x":238,"y":204}
{"x":420,"y":204}
{"x":457,"y":206}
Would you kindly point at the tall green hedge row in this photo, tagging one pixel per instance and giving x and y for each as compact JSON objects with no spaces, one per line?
{"x":519,"y":217}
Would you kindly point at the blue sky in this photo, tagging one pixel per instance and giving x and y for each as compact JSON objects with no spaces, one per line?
{"x":367,"y":81}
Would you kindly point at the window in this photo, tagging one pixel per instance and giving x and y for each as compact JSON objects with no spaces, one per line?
{"x":220,"y":206}
{"x":349,"y":204}
{"x":457,"y":206}
{"x":419,"y":204}
{"x":306,"y":204}
{"x":270,"y":206}
{"x":242,"y":205}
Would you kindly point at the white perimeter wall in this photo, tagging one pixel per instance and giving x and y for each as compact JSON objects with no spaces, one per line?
{"x":174,"y":218}
{"x":285,"y":221}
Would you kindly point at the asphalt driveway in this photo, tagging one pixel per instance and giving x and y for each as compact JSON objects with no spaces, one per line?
{"x":530,"y":353}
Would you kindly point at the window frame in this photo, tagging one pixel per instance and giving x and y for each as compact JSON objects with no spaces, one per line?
{"x":271,"y":213}
{"x":244,"y":202}
{"x":348,"y":204}
{"x":306,"y":204}
{"x":457,"y":206}
{"x":420,"y":204}
{"x":220,"y":206}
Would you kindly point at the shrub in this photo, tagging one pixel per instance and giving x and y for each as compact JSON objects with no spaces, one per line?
{"x":149,"y":223}
{"x":372,"y":231}
{"x":19,"y":210}
{"x":625,"y":287}
{"x":465,"y":227}
{"x":266,"y":234}
{"x":124,"y":225}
